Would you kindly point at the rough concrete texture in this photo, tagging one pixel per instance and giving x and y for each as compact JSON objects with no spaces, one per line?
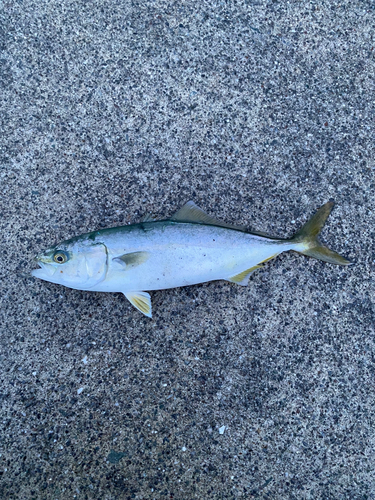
{"x":259,"y":111}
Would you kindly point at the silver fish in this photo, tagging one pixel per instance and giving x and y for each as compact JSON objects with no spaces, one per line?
{"x":189,"y":248}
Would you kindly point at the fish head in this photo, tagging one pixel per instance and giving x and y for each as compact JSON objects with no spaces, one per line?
{"x":79,"y":264}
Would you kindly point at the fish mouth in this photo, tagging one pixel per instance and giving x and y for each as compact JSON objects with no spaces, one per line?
{"x":45,"y":271}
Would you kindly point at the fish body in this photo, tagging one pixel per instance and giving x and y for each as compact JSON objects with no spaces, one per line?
{"x":188,"y":249}
{"x":177,"y":254}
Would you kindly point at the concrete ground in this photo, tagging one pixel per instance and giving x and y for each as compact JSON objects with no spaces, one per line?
{"x":259,"y":111}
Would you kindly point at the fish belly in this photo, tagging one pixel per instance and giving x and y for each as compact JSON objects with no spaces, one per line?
{"x":185,"y":254}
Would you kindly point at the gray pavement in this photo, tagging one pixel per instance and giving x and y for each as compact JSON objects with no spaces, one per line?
{"x":259,"y":112}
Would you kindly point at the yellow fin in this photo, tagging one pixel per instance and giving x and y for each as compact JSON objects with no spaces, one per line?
{"x":243,"y":278}
{"x":141,"y":301}
{"x":190,"y":212}
{"x":132,"y":259}
{"x":269,"y":258}
{"x":309,"y":235}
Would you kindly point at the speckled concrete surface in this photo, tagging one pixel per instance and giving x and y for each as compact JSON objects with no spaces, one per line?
{"x":259,"y":112}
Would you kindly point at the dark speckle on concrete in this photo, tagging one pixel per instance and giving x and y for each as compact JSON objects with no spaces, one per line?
{"x":258,"y":111}
{"x":114,"y":456}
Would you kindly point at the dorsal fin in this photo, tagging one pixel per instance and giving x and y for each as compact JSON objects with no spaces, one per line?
{"x":190,"y":212}
{"x":265,"y":235}
{"x":148,"y":218}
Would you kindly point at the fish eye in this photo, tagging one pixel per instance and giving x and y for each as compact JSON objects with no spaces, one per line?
{"x":60,"y":257}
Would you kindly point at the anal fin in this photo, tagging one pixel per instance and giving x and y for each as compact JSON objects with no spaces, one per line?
{"x":243,"y":278}
{"x":141,"y":301}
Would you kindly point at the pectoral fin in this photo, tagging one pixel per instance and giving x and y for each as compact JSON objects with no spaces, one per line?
{"x":141,"y":301}
{"x":132,"y":259}
{"x":243,"y":278}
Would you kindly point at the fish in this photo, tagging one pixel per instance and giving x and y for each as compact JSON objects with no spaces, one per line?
{"x":189,"y":248}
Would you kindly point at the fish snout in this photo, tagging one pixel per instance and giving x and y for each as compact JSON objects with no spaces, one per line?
{"x":37,"y":258}
{"x":45,"y":257}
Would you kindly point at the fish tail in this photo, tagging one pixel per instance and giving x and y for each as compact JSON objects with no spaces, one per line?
{"x":308,"y":235}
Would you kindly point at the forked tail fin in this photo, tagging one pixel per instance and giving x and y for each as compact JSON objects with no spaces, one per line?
{"x":309,"y":233}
